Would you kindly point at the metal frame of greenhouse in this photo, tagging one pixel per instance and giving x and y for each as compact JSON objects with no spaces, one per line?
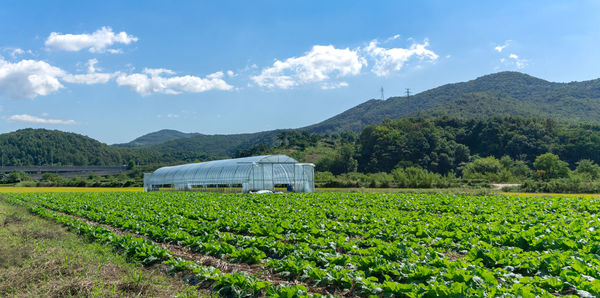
{"x":246,"y":174}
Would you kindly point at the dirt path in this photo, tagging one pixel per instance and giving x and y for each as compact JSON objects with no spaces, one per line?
{"x":499,"y":186}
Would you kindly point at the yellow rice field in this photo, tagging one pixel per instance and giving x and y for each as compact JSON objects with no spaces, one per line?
{"x":68,"y":189}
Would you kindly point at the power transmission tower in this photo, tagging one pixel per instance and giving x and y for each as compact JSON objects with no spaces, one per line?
{"x":382,"y":98}
{"x":407,"y":92}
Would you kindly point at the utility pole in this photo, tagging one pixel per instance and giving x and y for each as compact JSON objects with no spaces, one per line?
{"x":407,"y":93}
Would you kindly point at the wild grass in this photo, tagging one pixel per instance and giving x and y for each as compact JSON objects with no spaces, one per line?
{"x":41,"y":258}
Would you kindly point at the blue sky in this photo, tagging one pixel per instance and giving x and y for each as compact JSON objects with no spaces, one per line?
{"x":115,"y":70}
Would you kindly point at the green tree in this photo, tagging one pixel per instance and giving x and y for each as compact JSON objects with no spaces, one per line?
{"x":415,"y":177}
{"x":51,"y":177}
{"x":549,"y":166}
{"x":488,"y":168}
{"x":16,"y":177}
{"x":520,"y":169}
{"x":131,"y":165}
{"x":341,"y":162}
{"x":588,"y":168}
{"x":517,"y":168}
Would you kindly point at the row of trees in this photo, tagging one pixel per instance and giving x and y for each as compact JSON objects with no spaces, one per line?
{"x":546,"y":167}
{"x":445,"y":145}
{"x":549,"y":174}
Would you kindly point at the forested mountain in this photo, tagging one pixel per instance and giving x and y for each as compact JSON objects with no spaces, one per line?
{"x":499,"y":94}
{"x":53,"y":147}
{"x":157,"y":137}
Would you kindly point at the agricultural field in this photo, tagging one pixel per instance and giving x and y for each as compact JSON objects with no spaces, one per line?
{"x":347,"y":244}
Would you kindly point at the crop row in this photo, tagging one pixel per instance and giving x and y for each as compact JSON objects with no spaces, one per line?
{"x":149,"y":253}
{"x":373,"y":243}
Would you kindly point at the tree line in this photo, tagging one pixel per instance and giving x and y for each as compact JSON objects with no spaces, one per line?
{"x":444,"y":152}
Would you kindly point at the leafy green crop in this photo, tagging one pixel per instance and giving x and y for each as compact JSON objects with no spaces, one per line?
{"x":361,"y":244}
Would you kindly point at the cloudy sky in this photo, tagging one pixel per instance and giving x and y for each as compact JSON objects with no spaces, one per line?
{"x":114,"y":70}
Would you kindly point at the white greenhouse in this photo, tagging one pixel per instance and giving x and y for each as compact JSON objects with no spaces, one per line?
{"x":249,"y":173}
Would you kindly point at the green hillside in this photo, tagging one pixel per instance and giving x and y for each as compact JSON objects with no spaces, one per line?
{"x":53,"y":147}
{"x":499,"y":94}
{"x":215,"y":146}
{"x":157,"y":137}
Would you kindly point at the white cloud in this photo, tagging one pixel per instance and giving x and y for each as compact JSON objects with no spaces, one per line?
{"x":172,"y":116}
{"x":34,"y":119}
{"x":32,"y":78}
{"x":502,"y":47}
{"x":91,"y":77}
{"x":318,"y":65}
{"x":520,"y":63}
{"x":324,"y":63}
{"x":155,"y":72}
{"x":88,"y":78}
{"x":334,"y":85}
{"x":91,"y":65}
{"x":393,"y":59}
{"x":16,"y":52}
{"x":392,"y":38}
{"x":153,"y":81}
{"x":512,"y":59}
{"x":97,"y":42}
{"x":29,"y":78}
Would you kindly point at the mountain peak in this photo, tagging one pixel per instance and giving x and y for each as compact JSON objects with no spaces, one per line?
{"x":161,"y":136}
{"x":510,"y":77}
{"x":501,"y":93}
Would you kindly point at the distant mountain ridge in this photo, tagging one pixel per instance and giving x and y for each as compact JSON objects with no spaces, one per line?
{"x":157,"y":137}
{"x":498,"y":94}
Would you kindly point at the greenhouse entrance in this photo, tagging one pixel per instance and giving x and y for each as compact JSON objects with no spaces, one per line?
{"x":248,"y":174}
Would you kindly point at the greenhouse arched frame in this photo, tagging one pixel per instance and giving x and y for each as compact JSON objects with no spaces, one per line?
{"x":254,"y":173}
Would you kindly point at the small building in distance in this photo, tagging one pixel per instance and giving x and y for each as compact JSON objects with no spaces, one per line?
{"x":246,"y":174}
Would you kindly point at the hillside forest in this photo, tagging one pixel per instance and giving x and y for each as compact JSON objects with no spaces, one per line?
{"x":540,"y":154}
